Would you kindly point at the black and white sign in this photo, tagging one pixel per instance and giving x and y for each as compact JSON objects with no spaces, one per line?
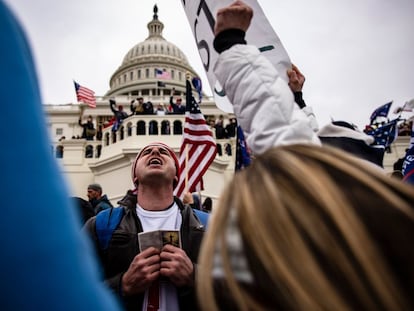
{"x":201,"y":16}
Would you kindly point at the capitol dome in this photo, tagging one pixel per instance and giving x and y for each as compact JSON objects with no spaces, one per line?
{"x":137,"y":74}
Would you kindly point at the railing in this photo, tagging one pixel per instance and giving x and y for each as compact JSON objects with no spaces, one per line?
{"x":143,"y":125}
{"x":155,"y":126}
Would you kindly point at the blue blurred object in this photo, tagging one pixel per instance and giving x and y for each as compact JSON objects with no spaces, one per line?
{"x":381,"y":111}
{"x":203,"y":217}
{"x":47,"y":263}
{"x":408,"y":166}
{"x":196,"y":81}
{"x":386,"y":134}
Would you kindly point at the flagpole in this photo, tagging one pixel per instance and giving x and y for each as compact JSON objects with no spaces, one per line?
{"x":401,"y":111}
{"x":200,"y":201}
{"x":203,"y":146}
{"x":81,"y":108}
{"x":389,"y":137}
{"x":188,"y":100}
{"x":186,"y":169}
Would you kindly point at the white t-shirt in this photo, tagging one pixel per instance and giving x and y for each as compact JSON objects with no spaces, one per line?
{"x":169,"y":219}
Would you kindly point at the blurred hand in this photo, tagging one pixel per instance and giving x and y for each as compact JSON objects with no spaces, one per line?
{"x":296,"y":79}
{"x":188,"y":198}
{"x":143,"y":270}
{"x":238,"y":15}
{"x":176,"y":266}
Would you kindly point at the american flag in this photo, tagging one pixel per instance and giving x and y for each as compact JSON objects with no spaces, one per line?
{"x":162,"y":74}
{"x":198,"y":148}
{"x":83,"y":94}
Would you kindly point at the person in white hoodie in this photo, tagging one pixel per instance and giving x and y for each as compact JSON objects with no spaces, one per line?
{"x":262,"y":101}
{"x":270,"y":111}
{"x":304,"y":227}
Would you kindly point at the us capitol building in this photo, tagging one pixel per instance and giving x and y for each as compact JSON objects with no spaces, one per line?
{"x":108,"y":161}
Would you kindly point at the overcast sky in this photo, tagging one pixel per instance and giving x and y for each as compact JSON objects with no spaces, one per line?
{"x":356,"y":54}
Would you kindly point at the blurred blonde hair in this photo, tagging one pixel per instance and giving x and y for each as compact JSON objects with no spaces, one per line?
{"x":312,"y":221}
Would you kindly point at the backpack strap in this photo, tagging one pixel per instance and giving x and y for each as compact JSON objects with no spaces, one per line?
{"x":106,"y":223}
{"x":202,"y":216}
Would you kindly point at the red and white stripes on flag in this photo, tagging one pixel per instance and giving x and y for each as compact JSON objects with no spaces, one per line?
{"x":83,"y":94}
{"x":162,"y":74}
{"x":197,"y":151}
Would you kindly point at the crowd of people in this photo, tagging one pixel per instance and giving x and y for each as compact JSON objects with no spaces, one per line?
{"x":318,"y":237}
{"x":307,"y":226}
{"x":139,"y":107}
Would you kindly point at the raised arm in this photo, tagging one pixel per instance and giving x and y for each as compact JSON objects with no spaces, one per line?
{"x":262,"y":101}
{"x":112,"y":105}
{"x":296,"y":82}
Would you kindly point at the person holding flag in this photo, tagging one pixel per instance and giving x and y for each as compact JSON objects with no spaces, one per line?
{"x":177,"y":107}
{"x":119,"y":114}
{"x":88,"y":128}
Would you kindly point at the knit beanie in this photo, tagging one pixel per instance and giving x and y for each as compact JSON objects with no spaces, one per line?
{"x":172,"y":153}
{"x":95,"y":187}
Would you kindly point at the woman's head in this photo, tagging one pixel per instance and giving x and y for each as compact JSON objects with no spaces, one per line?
{"x":310,"y":228}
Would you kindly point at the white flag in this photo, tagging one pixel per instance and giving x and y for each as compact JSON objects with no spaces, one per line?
{"x":409,"y":106}
{"x":201,"y":16}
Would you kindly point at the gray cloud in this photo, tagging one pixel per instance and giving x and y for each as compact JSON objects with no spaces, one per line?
{"x":356,"y":55}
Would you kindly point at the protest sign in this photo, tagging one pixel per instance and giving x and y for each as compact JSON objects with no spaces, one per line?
{"x":201,"y":15}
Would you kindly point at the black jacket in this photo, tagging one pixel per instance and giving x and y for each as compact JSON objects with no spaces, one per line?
{"x":88,"y":131}
{"x":101,"y":204}
{"x":124,"y":246}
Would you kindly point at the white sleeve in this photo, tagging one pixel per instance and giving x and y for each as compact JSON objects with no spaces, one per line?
{"x":312,"y":118}
{"x":263,"y":102}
